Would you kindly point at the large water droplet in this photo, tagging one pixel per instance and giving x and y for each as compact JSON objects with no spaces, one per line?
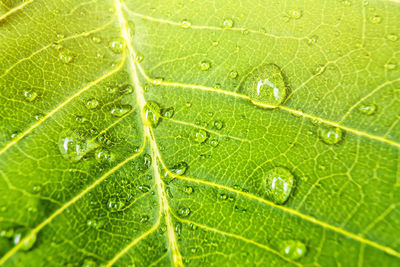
{"x":278,"y":184}
{"x":200,"y":136}
{"x":330,"y":135}
{"x":74,"y":144}
{"x":293,"y":249}
{"x":20,"y":234}
{"x":152,"y":113}
{"x":267,"y":86}
{"x":367,"y":109}
{"x":121,"y":110}
{"x":30,"y":95}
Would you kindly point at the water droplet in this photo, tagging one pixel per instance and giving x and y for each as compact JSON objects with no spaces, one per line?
{"x":74,"y":144}
{"x":103,"y":155}
{"x":186,"y":24}
{"x":390,"y":66}
{"x":146,"y":87}
{"x":157,"y":81}
{"x":205,"y":65}
{"x":36,"y":188}
{"x":392,"y":37}
{"x":168,"y":113}
{"x":131,"y":28}
{"x":367,"y":109}
{"x":30,"y":95}
{"x":184,"y":212}
{"x":214,"y":143}
{"x":139,"y":57}
{"x":96,"y":39}
{"x":92,"y":103}
{"x":89,"y":263}
{"x":330,"y":135}
{"x":218,"y":124}
{"x":144,"y":188}
{"x":144,"y":219}
{"x":319,"y":70}
{"x":293,"y":249}
{"x":375,"y":19}
{"x":267,"y":86}
{"x":117,"y":46}
{"x":233,"y":74}
{"x":188,"y":190}
{"x":97,"y":224}
{"x":215,"y":43}
{"x":228,"y":23}
{"x":121,"y":110}
{"x":65,"y":58}
{"x":20,"y":234}
{"x":279,"y":184}
{"x":295,"y":14}
{"x":57,"y":46}
{"x":126,"y":89}
{"x":312,"y":40}
{"x":200,"y":136}
{"x":169,"y":193}
{"x":114,"y":204}
{"x":178,"y":229}
{"x":179,"y":168}
{"x":222,"y":197}
{"x":152,"y":113}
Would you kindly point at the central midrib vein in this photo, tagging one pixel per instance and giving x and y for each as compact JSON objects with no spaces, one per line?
{"x":141,"y":102}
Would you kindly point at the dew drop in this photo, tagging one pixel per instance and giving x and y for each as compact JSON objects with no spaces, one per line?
{"x":214,"y":143}
{"x":65,"y":58}
{"x":184,"y":212}
{"x":233,"y":74}
{"x":266,"y":86}
{"x":103,"y":155}
{"x":312,"y":40}
{"x":117,"y":46}
{"x":74,"y":144}
{"x":218,"y":125}
{"x":390,"y":66}
{"x":96,"y":39}
{"x":200,"y":136}
{"x":228,"y":23}
{"x":144,"y":188}
{"x":222,"y":197}
{"x":126,"y":89}
{"x":188,"y":190}
{"x":180,"y":168}
{"x":330,"y":135}
{"x":186,"y":24}
{"x":20,"y":234}
{"x":57,"y":46}
{"x":121,"y":110}
{"x":279,"y":184}
{"x":367,"y":109}
{"x":392,"y":37}
{"x":375,"y":19}
{"x":205,"y":65}
{"x":92,"y":103}
{"x":152,"y":113}
{"x":89,"y":263}
{"x":114,"y":204}
{"x":30,"y":95}
{"x":168,"y":113}
{"x":293,"y":249}
{"x":96,"y":224}
{"x":295,"y":14}
{"x":178,"y":229}
{"x":319,"y":70}
{"x":139,"y":57}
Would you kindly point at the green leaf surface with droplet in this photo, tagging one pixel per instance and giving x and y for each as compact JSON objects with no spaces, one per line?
{"x":131,"y":135}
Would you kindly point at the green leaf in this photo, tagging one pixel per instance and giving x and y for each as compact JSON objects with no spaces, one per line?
{"x":199,"y":133}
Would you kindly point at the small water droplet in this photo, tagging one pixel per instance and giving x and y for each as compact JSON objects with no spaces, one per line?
{"x":186,"y":24}
{"x":330,"y":135}
{"x":222,"y":197}
{"x":367,"y":109}
{"x":376,"y":19}
{"x":215,"y":43}
{"x":65,"y":58}
{"x":293,"y":249}
{"x":295,"y":14}
{"x":152,"y":113}
{"x":92,"y":103}
{"x":36,"y":188}
{"x":103,"y":155}
{"x":319,"y":70}
{"x":168,"y":113}
{"x":228,"y":23}
{"x":312,"y":40}
{"x":120,"y":110}
{"x":74,"y":144}
{"x":188,"y":190}
{"x":214,"y":142}
{"x":267,"y":86}
{"x":279,"y":184}
{"x":20,"y":234}
{"x":390,"y":66}
{"x":178,"y":228}
{"x":205,"y":65}
{"x":96,"y":224}
{"x":114,"y":204}
{"x":30,"y":95}
{"x":180,"y":168}
{"x":144,"y":188}
{"x":89,"y":263}
{"x":126,"y":89}
{"x":157,"y":81}
{"x":139,"y":57}
{"x":233,"y":74}
{"x":184,"y":212}
{"x":131,"y":28}
{"x":96,"y":39}
{"x":392,"y":37}
{"x":117,"y":46}
{"x":218,"y":124}
{"x":200,"y":136}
